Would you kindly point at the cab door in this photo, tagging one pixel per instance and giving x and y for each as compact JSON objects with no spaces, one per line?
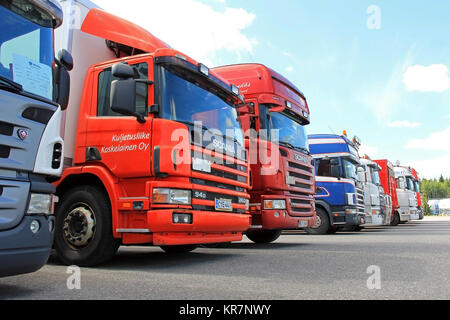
{"x":121,"y":143}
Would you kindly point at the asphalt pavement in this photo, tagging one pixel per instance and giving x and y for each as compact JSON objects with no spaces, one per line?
{"x":410,"y":261}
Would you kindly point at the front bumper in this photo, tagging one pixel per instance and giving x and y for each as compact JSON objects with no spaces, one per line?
{"x":280,"y":220}
{"x":374,"y":220}
{"x":206,"y":227}
{"x":21,"y":251}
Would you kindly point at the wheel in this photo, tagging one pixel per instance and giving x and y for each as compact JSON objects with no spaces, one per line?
{"x":354,"y":228}
{"x":333,"y":230}
{"x":395,"y":220}
{"x":322,"y":223}
{"x":179,"y":249}
{"x":83,"y":233}
{"x":263,"y":236}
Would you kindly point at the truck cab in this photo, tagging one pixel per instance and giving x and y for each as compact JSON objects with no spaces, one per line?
{"x":376,"y":203}
{"x":33,"y":89}
{"x":340,"y":194}
{"x":282,"y":187}
{"x":156,"y":154}
{"x":418,"y":194}
{"x":406,"y":194}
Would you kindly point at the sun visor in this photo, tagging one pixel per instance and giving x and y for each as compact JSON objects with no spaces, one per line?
{"x":110,"y":27}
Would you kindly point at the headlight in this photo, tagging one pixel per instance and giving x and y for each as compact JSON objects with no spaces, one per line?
{"x":274,"y":204}
{"x":40,"y":204}
{"x":171,"y":196}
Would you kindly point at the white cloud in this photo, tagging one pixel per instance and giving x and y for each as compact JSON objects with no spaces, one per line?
{"x":289,"y":69}
{"x":371,"y":151}
{"x":404,"y":124}
{"x":432,"y":168}
{"x":190,"y":26}
{"x":384,"y":98}
{"x":433,"y":78}
{"x":435,"y":141}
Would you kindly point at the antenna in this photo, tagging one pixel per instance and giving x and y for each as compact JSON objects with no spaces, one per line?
{"x":331,"y":129}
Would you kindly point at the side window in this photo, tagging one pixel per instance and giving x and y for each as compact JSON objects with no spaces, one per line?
{"x":327,"y":168}
{"x":105,"y":79}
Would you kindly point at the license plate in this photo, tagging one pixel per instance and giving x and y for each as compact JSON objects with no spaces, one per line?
{"x":303,"y":224}
{"x":224,"y":205}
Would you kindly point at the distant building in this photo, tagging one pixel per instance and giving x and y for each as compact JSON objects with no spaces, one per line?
{"x":440,"y":207}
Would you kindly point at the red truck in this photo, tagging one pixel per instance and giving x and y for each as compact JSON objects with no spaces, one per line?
{"x":389,"y":183}
{"x":283,"y":197}
{"x":137,"y":170}
{"x":418,"y":194}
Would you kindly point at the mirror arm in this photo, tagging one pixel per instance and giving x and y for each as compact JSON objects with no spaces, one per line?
{"x":148,"y":82}
{"x":140,"y":118}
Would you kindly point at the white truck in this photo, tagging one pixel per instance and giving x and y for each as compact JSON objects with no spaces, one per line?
{"x":377,"y":205}
{"x":34,"y":88}
{"x":406,"y":194}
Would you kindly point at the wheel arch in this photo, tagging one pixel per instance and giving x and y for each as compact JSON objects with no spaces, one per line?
{"x":93,"y":176}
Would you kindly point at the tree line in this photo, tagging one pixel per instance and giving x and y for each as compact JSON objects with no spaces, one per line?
{"x":434,"y":189}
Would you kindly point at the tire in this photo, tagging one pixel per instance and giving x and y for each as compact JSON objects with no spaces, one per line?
{"x":83,"y":233}
{"x":395,"y":220}
{"x":263,"y":236}
{"x":322,"y":223}
{"x":333,"y":230}
{"x":179,"y":249}
{"x":353,"y":228}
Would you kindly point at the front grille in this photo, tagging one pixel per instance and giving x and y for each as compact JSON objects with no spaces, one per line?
{"x":231,"y":181}
{"x":300,"y":176}
{"x":4,"y":152}
{"x":301,"y":194}
{"x":360,"y":200}
{"x":302,"y":185}
{"x":301,"y":210}
{"x":215,"y":184}
{"x":300,"y":201}
{"x":300,"y":167}
{"x":6,"y":129}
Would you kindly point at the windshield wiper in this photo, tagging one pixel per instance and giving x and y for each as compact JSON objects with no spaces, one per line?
{"x":207,"y":129}
{"x":9,"y":84}
{"x":287,"y":144}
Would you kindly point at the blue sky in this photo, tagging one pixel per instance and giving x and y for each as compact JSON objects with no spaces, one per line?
{"x":389,"y":85}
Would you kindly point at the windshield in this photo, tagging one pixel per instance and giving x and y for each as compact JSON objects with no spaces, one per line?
{"x":375,"y":176}
{"x":186,"y":102}
{"x":410,"y":184}
{"x":349,"y":167}
{"x":417,"y":186}
{"x":26,"y":51}
{"x":291,"y":132}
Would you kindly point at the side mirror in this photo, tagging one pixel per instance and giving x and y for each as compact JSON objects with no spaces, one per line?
{"x":123,"y":98}
{"x":335,"y":170}
{"x":277,"y":109}
{"x":361,"y":174}
{"x":64,"y":59}
{"x":246,"y":110}
{"x":122,"y":71}
{"x":401,"y":183}
{"x":64,"y":64}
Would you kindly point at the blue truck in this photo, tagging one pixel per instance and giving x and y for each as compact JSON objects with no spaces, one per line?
{"x":339,"y":191}
{"x":33,"y":91}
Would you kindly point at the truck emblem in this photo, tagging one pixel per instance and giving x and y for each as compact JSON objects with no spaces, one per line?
{"x":300,"y":158}
{"x":23,"y":134}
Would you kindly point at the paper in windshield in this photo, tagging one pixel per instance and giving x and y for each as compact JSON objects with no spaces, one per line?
{"x":34,"y":77}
